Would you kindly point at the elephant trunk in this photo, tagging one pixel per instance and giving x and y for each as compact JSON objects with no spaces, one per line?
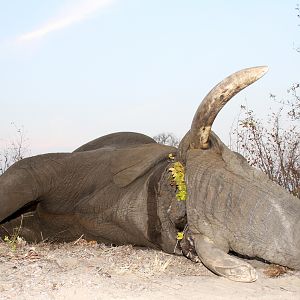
{"x":25,"y":182}
{"x":271,"y":230}
{"x":14,"y":196}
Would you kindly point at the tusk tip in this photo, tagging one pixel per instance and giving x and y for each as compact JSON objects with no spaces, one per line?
{"x":261,"y":71}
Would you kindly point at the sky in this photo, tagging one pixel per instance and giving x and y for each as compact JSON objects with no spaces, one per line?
{"x":74,"y":70}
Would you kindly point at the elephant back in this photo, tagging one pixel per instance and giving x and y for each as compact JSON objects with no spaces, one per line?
{"x":116,"y":140}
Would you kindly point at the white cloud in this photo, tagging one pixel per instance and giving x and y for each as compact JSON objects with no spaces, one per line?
{"x":71,"y":15}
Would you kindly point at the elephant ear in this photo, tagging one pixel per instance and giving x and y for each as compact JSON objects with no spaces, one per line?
{"x":130,"y":163}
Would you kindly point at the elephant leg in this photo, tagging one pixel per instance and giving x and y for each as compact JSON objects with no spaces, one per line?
{"x":26,"y":226}
{"x":222,"y":263}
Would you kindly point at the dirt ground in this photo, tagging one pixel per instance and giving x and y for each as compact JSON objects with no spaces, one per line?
{"x":82,"y":270}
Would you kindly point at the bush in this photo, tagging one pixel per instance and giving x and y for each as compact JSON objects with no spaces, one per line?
{"x":167,"y":139}
{"x":272,"y":145}
{"x":16,"y":150}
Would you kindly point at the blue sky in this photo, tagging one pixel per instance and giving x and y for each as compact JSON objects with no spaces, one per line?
{"x":73,"y":70}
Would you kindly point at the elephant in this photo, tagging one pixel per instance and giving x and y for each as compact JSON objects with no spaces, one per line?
{"x":121,"y":189}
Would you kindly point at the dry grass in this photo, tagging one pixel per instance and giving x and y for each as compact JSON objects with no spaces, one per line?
{"x":275,"y":270}
{"x":87,"y":270}
{"x":46,"y":268}
{"x":108,"y":260}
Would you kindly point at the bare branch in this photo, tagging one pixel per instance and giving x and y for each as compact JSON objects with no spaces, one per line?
{"x":270,"y":146}
{"x":16,"y":150}
{"x":167,"y":138}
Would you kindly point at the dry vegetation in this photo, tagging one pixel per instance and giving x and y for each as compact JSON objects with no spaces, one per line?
{"x":167,"y":138}
{"x":87,"y":270}
{"x":14,"y":150}
{"x":272,"y":145}
{"x":41,"y":269}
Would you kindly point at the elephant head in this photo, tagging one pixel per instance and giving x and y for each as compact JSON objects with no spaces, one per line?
{"x":232,"y":206}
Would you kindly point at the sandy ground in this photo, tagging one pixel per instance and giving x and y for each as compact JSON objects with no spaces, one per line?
{"x":84,"y":270}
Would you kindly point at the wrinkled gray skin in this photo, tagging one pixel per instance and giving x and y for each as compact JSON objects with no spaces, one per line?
{"x":117,"y":189}
{"x":234,"y":207}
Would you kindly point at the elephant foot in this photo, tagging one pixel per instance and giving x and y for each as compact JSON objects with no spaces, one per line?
{"x":222,"y":263}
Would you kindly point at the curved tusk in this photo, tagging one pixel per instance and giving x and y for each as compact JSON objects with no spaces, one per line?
{"x":215,"y":101}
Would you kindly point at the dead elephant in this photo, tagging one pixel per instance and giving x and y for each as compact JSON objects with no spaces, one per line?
{"x":117,"y":189}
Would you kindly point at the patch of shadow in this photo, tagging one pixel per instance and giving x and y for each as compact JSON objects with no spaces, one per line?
{"x":29,"y":207}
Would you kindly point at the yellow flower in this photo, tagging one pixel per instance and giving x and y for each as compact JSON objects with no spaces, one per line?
{"x":178,"y":176}
{"x":180,"y":235}
{"x":171,"y":156}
